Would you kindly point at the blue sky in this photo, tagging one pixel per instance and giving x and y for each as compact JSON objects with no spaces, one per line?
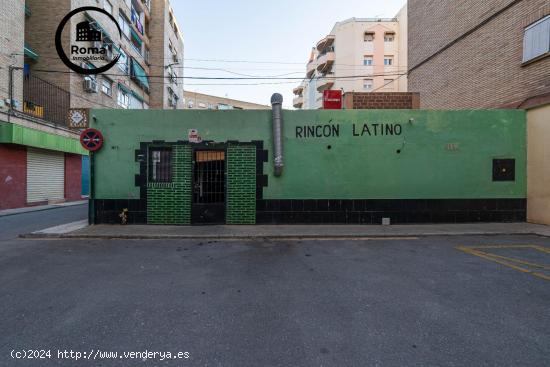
{"x":279,"y":32}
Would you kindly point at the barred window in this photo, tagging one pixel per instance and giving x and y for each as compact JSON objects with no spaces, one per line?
{"x":160,"y":165}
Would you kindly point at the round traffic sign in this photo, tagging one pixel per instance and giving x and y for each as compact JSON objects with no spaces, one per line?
{"x":91,"y":139}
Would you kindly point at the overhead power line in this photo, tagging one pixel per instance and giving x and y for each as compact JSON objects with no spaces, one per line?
{"x":234,"y":78}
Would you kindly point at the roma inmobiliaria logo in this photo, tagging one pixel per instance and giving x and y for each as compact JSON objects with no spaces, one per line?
{"x":91,"y":44}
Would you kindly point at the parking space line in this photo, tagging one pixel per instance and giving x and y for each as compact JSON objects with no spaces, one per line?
{"x":502,"y":260}
{"x":516,"y":260}
{"x":543,"y":249}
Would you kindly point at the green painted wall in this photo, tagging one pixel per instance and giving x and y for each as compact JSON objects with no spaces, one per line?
{"x":444,"y":154}
{"x":17,"y":134}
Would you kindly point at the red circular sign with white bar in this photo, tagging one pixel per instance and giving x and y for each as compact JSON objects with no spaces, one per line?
{"x":91,"y":140}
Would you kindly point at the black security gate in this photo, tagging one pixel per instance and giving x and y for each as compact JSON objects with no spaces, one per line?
{"x":208,"y":187}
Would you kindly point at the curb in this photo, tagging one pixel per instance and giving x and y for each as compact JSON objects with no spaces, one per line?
{"x":268,"y":237}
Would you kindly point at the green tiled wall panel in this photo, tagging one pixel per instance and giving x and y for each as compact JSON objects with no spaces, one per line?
{"x":171,"y":203}
{"x":241,"y":184}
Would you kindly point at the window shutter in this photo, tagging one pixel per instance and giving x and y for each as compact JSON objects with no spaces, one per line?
{"x":536,"y":41}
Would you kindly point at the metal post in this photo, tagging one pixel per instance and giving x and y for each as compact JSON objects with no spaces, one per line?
{"x":10,"y":90}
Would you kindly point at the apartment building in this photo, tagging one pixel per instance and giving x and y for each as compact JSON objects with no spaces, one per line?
{"x":488,"y":54}
{"x":200,"y":101}
{"x":167,"y":50}
{"x":149,"y":34}
{"x":40,"y":161}
{"x":358,"y":55}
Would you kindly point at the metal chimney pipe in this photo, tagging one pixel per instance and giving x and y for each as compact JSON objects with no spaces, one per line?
{"x":277,"y":107}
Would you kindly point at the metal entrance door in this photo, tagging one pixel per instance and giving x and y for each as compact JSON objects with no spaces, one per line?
{"x":208,"y":187}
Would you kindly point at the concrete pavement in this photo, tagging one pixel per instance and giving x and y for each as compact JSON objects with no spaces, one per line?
{"x":287,"y":231}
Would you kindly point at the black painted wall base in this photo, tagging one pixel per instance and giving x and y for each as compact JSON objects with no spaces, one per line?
{"x":348,"y":211}
{"x":399,"y":211}
{"x":107,"y":211}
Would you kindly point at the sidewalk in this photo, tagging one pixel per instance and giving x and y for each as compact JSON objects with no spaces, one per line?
{"x":81,"y":230}
{"x":5,"y":213}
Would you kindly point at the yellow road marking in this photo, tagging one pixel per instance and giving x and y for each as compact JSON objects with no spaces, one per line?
{"x":516,"y":260}
{"x":542,"y":248}
{"x":501,"y":259}
{"x":504,"y":246}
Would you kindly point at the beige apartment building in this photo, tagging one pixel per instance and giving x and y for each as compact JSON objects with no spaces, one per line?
{"x":488,"y":54}
{"x":358,"y":55}
{"x":200,"y":101}
{"x":151,"y":45}
{"x":167,"y":50}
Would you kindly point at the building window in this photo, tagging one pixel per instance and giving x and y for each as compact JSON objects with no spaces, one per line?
{"x":89,"y":66}
{"x":136,"y":43}
{"x":123,"y":99}
{"x":107,"y":87}
{"x":173,"y":99}
{"x":160,"y":165}
{"x":536,"y":40}
{"x":389,"y":37}
{"x":368,"y":61}
{"x":108,"y":7}
{"x":388,"y":83}
{"x":388,"y":60}
{"x":124,"y":24}
{"x":369,"y":37}
{"x":368,"y":84}
{"x":123,"y":62}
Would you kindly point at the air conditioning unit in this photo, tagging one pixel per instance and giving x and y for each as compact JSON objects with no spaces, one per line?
{"x":90,"y":85}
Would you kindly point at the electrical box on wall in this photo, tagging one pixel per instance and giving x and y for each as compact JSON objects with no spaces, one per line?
{"x":504,"y":169}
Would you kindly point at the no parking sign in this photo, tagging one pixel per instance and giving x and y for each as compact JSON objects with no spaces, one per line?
{"x":91,"y":140}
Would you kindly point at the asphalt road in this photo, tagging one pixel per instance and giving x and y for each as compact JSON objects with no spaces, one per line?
{"x":274,"y":303}
{"x":13,"y":225}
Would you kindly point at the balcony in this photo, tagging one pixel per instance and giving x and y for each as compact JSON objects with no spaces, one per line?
{"x":43,"y":100}
{"x":298,"y":90}
{"x":311,"y":67}
{"x":298,"y":102}
{"x":325,"y":61}
{"x":324,"y":83}
{"x":328,"y":41}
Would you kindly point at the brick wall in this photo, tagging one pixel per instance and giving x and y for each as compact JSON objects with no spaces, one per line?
{"x":170,"y":203}
{"x":13,"y":176}
{"x":12,"y":20}
{"x":483,"y":70}
{"x":73,"y":177}
{"x":360,"y":101}
{"x":241,"y":184}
